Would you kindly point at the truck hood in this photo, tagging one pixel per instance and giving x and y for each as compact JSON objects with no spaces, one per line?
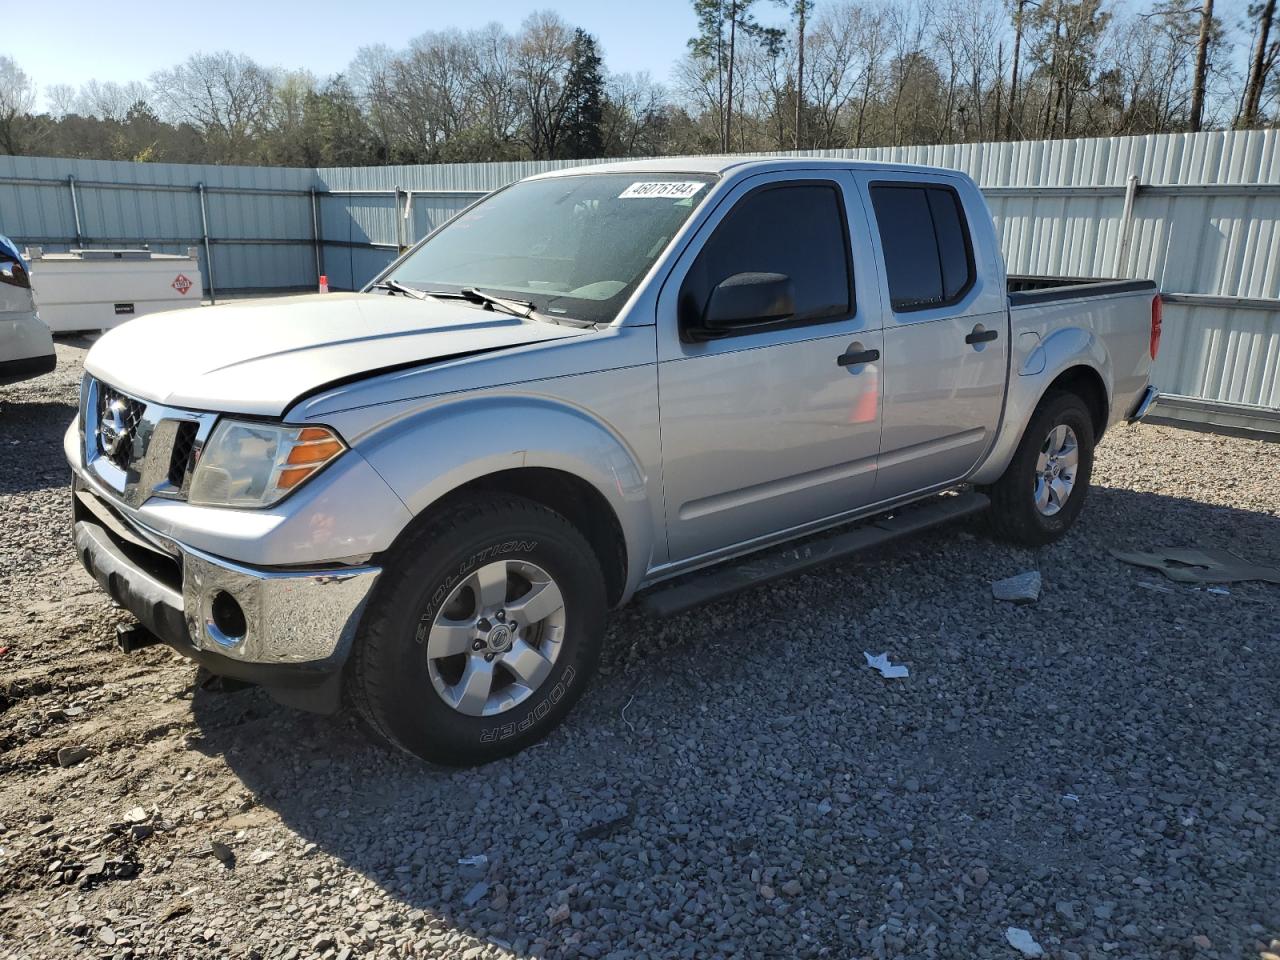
{"x":259,"y":356}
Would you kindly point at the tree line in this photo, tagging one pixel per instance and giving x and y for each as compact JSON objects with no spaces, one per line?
{"x":758,"y":75}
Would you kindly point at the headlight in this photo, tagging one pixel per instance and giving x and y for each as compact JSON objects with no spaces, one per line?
{"x":255,"y":464}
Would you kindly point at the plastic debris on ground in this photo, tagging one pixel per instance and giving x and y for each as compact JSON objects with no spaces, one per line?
{"x":1191,"y":565}
{"x":1024,"y":588}
{"x":1022,"y":941}
{"x":890,"y":671}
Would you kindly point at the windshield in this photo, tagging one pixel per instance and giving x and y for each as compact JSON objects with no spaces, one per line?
{"x":573,"y":246}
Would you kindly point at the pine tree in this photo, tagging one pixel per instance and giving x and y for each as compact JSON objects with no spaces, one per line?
{"x":584,"y":114}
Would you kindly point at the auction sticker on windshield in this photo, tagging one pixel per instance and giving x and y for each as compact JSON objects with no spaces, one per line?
{"x":664,"y":189}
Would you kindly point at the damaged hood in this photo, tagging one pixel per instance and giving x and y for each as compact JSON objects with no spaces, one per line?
{"x":258,"y":356}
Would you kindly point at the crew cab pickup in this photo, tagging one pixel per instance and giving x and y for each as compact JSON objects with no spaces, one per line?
{"x":422,"y":499}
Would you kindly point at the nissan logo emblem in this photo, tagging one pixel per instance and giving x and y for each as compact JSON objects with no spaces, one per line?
{"x":113,"y":430}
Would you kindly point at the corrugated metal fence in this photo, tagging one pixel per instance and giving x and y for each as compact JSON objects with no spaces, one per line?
{"x":1199,"y":213}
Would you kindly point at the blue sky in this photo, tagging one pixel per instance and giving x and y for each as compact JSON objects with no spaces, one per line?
{"x":73,"y":41}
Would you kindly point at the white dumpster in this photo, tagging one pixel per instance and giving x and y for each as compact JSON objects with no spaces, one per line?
{"x":99,"y":289}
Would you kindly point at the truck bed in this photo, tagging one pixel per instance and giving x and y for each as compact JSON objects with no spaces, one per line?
{"x":1025,"y":290}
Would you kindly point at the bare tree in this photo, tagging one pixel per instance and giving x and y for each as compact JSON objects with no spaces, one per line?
{"x":635,"y":115}
{"x":911,"y":70}
{"x":544,"y":51}
{"x":801,"y":13}
{"x":17,"y":100}
{"x":226,"y":96}
{"x":499,"y":108}
{"x":110,"y":100}
{"x":61,"y":99}
{"x":1202,"y":64}
{"x":370,"y":76}
{"x":430,"y":93}
{"x":846,"y":53}
{"x":1019,"y":11}
{"x":1260,"y":64}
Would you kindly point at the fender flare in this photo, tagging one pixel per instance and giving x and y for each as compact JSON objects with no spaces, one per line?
{"x":1029,"y":380}
{"x":429,"y":454}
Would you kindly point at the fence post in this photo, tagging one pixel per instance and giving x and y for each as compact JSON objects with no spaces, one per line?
{"x":315,"y":235}
{"x":75,"y":210}
{"x":399,"y":224}
{"x":1126,"y":227}
{"x":204,"y":235}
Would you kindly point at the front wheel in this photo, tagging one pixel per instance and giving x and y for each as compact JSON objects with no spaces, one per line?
{"x":1044,"y":487}
{"x":483,"y":633}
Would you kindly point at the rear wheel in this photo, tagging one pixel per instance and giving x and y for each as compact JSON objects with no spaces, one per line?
{"x":1044,"y":487}
{"x":483,"y":633}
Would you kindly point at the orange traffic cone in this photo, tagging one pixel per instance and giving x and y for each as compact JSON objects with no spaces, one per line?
{"x":324,"y":283}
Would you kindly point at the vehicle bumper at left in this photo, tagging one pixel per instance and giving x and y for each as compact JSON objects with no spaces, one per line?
{"x":288,"y":630}
{"x":11,"y":371}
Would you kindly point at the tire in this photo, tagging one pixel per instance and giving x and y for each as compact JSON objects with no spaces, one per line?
{"x":437,"y":597}
{"x":1024,"y":508}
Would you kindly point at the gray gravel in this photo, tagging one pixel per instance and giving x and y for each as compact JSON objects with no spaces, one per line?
{"x":1096,"y":768}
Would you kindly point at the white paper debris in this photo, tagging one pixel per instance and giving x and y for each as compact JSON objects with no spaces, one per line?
{"x":1022,"y":941}
{"x":890,"y":671}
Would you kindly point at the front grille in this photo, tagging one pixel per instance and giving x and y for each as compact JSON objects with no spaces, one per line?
{"x":184,"y":443}
{"x":131,"y":411}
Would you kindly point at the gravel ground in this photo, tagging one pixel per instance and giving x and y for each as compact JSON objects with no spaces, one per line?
{"x":1096,"y":768}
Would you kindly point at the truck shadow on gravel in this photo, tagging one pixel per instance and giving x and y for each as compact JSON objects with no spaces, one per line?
{"x":1095,"y":767}
{"x":31,"y":444}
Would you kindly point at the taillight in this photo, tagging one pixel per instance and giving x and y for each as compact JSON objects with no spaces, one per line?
{"x":1157,"y":321}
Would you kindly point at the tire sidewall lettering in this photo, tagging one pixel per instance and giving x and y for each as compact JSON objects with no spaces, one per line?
{"x":539,"y":711}
{"x":465,"y":569}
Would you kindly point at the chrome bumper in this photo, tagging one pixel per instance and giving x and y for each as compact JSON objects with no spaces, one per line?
{"x":287,"y":618}
{"x":1148,"y":397}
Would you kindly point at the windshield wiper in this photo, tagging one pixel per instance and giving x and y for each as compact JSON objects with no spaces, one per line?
{"x":517,"y":308}
{"x":523,"y":309}
{"x":395,"y":286}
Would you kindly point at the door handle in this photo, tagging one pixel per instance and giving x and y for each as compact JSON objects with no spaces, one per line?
{"x":857,"y":357}
{"x":981,"y":336}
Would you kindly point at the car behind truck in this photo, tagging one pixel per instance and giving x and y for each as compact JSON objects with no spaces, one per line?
{"x":424,"y":499}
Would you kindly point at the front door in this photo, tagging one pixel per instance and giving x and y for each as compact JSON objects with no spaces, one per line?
{"x":764,"y":430}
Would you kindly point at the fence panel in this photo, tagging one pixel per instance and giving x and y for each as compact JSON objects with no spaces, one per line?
{"x":1202,"y":218}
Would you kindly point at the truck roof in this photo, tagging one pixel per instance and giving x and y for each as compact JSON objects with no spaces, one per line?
{"x":721,"y":164}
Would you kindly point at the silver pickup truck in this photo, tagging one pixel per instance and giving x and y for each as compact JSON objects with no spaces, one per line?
{"x":424,"y":498}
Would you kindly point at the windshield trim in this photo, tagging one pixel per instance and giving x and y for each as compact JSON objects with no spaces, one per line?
{"x":708,"y":200}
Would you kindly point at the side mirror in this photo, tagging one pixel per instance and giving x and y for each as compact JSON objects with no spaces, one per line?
{"x":747,"y":300}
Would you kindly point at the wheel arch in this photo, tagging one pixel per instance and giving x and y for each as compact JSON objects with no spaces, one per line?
{"x":1076,"y":362}
{"x":1086,"y":383}
{"x":563,"y":457}
{"x":568,"y":495}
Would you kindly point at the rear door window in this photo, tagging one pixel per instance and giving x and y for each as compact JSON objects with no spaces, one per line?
{"x":928,"y":256}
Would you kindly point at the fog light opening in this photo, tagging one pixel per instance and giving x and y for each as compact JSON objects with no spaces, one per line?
{"x":228,"y":616}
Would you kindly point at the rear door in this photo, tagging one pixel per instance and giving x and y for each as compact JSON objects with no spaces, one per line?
{"x":767,"y":430}
{"x":946,"y":329}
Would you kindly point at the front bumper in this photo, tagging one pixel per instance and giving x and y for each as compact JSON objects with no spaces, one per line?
{"x":294,"y":628}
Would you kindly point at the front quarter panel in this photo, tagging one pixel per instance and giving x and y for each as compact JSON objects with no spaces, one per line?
{"x":599,"y":427}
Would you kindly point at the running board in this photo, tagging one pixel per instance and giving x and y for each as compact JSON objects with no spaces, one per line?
{"x":714,"y":583}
